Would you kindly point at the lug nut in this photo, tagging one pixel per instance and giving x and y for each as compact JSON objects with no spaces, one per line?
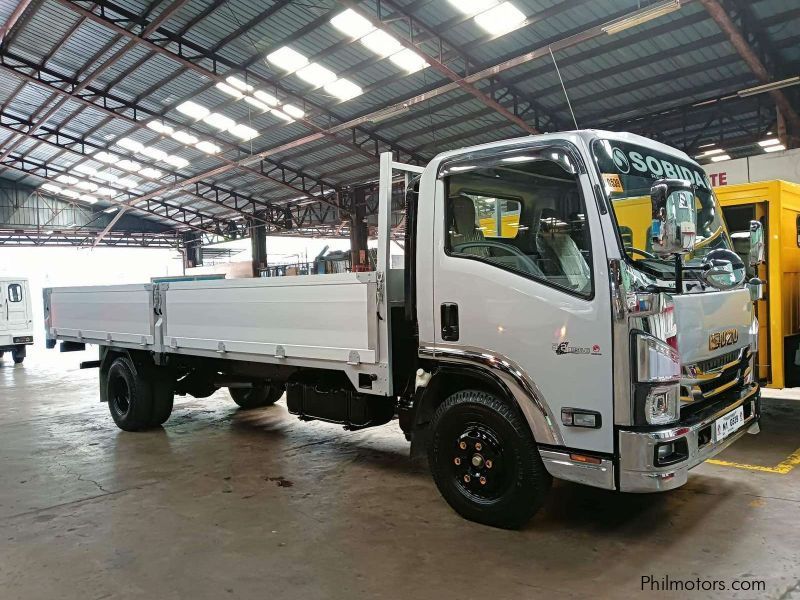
{"x":483,"y":480}
{"x":462,"y":445}
{"x":488,"y":464}
{"x":457,"y":460}
{"x":478,"y":446}
{"x":466,"y":478}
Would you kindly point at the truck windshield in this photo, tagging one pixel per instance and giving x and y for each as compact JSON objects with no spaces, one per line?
{"x":628,"y":171}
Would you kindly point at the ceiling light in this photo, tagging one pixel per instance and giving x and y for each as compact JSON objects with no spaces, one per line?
{"x":51,"y":188}
{"x":151,"y":173}
{"x":128,"y":183}
{"x":239,"y":84}
{"x":775,"y":148}
{"x":154,"y":153}
{"x":85,"y":169}
{"x":711,"y":152}
{"x":642,"y":16}
{"x":720,"y":158}
{"x":219,"y":121}
{"x":104,"y":191}
{"x":193,"y":110}
{"x":257,"y":104}
{"x":111,"y":209}
{"x":184,"y":137}
{"x":293,"y":111}
{"x":472,"y":7}
{"x":266,"y":98}
{"x":287,"y":59}
{"x":768,"y":87}
{"x":106,"y":176}
{"x":207,"y":147}
{"x":129,"y":165}
{"x":105,"y":157}
{"x":500,"y":19}
{"x":176,"y":161}
{"x":230,"y":90}
{"x":88,"y":199}
{"x":243,"y":131}
{"x":342,"y":89}
{"x":129,"y":144}
{"x":86,"y":185}
{"x":408,"y":60}
{"x":160,"y":127}
{"x":316,"y":74}
{"x":282,"y":115}
{"x":352,"y":24}
{"x":381,"y":43}
{"x":67,"y":179}
{"x":71,"y":193}
{"x":769,"y":142}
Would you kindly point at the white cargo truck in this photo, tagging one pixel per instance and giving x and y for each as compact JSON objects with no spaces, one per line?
{"x":16,"y":317}
{"x":542,"y":326}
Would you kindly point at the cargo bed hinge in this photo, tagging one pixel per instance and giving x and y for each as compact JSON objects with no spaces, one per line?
{"x":379,"y":288}
{"x":157,"y":299}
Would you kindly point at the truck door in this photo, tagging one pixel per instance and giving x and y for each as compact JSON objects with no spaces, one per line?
{"x":520,"y":272}
{"x":16,"y":300}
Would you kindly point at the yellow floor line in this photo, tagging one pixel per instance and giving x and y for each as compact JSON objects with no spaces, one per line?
{"x":782,"y":469}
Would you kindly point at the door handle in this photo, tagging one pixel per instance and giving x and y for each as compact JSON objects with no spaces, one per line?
{"x":450,"y":321}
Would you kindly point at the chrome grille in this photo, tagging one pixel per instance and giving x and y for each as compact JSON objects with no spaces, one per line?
{"x":712,"y":364}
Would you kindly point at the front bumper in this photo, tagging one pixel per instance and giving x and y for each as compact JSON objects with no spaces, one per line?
{"x":637,"y":449}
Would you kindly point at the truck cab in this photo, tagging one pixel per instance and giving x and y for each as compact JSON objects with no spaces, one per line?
{"x":16,"y":318}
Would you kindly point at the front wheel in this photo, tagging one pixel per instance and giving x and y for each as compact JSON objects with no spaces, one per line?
{"x":256,"y":396}
{"x":18,"y":355}
{"x":485,"y":462}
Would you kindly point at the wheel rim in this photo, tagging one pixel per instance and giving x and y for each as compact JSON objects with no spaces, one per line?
{"x":478,"y":465}
{"x":120,"y":395}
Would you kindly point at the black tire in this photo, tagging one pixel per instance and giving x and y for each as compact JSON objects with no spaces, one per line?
{"x":130,"y":396}
{"x":18,"y":356}
{"x":163,"y":399}
{"x":256,"y":396}
{"x":485,"y":462}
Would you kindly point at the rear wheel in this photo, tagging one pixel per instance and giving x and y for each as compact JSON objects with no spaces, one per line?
{"x":18,"y":354}
{"x":130,"y":396}
{"x":485,"y":462}
{"x":256,"y":396}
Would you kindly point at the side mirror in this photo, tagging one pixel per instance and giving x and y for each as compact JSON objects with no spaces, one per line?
{"x":673,"y":230}
{"x":722,"y":269}
{"x":756,"y":243}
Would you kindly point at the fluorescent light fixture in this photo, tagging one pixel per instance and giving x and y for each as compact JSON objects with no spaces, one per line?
{"x":153,"y":153}
{"x":104,"y":191}
{"x":184,"y":137}
{"x":151,"y":173}
{"x":239,"y":84}
{"x":642,"y":15}
{"x":88,"y":199}
{"x":343,"y":89}
{"x":219,"y":121}
{"x":86,"y":185}
{"x":243,"y":131}
{"x":105,"y":157}
{"x":293,"y":111}
{"x":316,"y":75}
{"x":501,"y":19}
{"x":67,"y":179}
{"x":193,"y":110}
{"x":207,"y":147}
{"x":230,"y":90}
{"x":85,"y":169}
{"x":381,"y":43}
{"x":768,"y":87}
{"x":129,"y":165}
{"x":769,"y":142}
{"x":408,"y":60}
{"x":266,"y":98}
{"x":257,"y":104}
{"x":711,"y":152}
{"x":352,"y":24}
{"x":720,"y":158}
{"x":472,"y":7}
{"x":106,"y":176}
{"x":129,"y":144}
{"x":111,"y":209}
{"x":775,"y":148}
{"x":70,"y":194}
{"x":282,"y":115}
{"x":287,"y":59}
{"x":176,"y":161}
{"x":51,"y":188}
{"x":160,"y":127}
{"x":128,"y":183}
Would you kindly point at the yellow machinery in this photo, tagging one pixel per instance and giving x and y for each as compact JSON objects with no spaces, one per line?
{"x":777,"y":205}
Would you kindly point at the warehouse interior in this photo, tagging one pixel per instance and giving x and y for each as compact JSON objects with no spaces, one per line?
{"x":196,"y":139}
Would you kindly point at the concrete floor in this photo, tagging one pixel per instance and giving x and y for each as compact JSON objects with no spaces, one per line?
{"x":227,"y":504}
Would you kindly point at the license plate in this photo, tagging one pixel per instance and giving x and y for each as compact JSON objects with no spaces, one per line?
{"x":726,"y":425}
{"x":26,"y":339}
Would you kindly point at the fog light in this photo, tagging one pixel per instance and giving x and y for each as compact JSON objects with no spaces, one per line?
{"x":664,"y":451}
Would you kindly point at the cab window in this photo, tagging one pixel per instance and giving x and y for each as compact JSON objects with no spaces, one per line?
{"x":15,"y":292}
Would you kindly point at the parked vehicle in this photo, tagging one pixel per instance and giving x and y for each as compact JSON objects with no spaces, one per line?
{"x":530,"y":334}
{"x":16,"y":317}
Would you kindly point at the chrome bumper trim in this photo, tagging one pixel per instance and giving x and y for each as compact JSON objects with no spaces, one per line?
{"x":637,"y":471}
{"x":561,"y":466}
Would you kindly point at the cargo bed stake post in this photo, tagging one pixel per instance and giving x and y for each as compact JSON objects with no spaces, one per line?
{"x":384,"y":262}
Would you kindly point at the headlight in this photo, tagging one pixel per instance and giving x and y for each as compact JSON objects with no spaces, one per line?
{"x":656,"y":385}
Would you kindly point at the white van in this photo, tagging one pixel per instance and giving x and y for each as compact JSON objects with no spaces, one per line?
{"x":16,"y":317}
